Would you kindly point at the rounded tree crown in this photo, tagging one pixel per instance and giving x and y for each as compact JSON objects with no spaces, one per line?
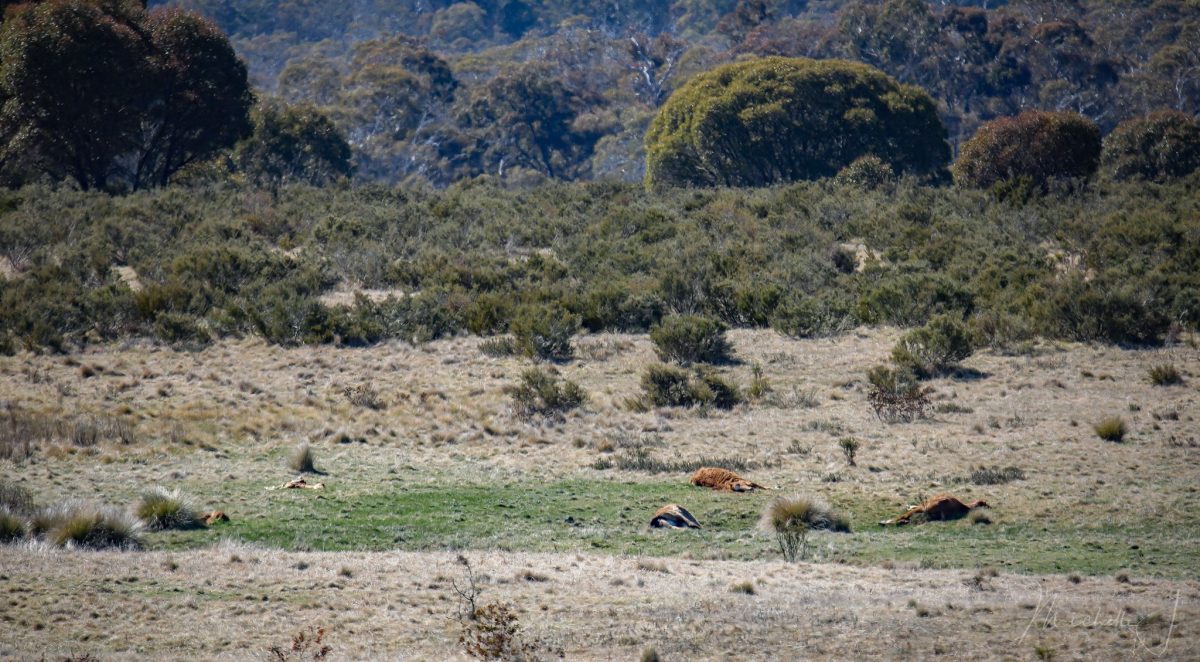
{"x":776,"y":119}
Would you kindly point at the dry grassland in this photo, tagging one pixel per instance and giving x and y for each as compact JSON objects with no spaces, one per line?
{"x":219,"y":424}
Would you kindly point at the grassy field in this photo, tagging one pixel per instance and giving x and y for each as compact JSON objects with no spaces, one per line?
{"x":441,"y":465}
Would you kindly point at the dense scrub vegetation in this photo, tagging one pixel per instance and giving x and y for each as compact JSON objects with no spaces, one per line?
{"x":439,"y":90}
{"x":1116,"y":262}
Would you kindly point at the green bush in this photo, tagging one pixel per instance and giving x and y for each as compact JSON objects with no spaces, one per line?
{"x":545,"y":332}
{"x":934,"y":348}
{"x":688,"y":339}
{"x":668,"y":386}
{"x":541,"y":392}
{"x":1159,"y":147}
{"x":765,"y":121}
{"x":814,"y":317}
{"x":161,"y":509}
{"x":868,"y":173}
{"x":181,"y":329}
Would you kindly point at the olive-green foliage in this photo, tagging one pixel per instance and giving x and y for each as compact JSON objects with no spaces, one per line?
{"x":1037,"y":146}
{"x":1159,"y":147}
{"x":896,"y":394}
{"x":775,"y":119}
{"x":668,"y":386}
{"x":867,"y":172}
{"x":933,"y":348}
{"x":541,"y":392}
{"x":688,"y":339}
{"x":1109,"y":263}
{"x":544,"y":332}
{"x":292,"y":144}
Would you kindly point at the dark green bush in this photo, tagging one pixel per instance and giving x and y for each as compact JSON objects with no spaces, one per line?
{"x":814,"y":317}
{"x":1165,"y":374}
{"x":1159,"y":147}
{"x":1042,"y":146}
{"x":180,"y":328}
{"x":934,"y":348}
{"x":668,"y":386}
{"x":545,"y":332}
{"x":688,"y":339}
{"x":541,"y":392}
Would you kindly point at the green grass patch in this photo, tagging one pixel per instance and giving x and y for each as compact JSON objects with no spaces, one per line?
{"x":611,"y":516}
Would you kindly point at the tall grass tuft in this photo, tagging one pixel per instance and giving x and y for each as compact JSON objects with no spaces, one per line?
{"x":161,"y":509}
{"x":1164,"y":375}
{"x":1111,"y":429}
{"x":302,"y":460}
{"x":12,"y":526}
{"x":86,"y":526}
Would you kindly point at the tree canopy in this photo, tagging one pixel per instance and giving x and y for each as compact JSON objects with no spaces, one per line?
{"x":1038,"y":146}
{"x":112,"y":96}
{"x":1159,"y":147}
{"x":780,"y":119}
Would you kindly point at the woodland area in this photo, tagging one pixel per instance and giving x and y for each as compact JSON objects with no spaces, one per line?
{"x":437,"y":91}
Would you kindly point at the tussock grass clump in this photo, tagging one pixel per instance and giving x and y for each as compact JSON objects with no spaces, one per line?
{"x":746,"y":588}
{"x":688,"y":339}
{"x":86,"y":526}
{"x":1164,"y":375}
{"x":302,"y":460}
{"x":161,"y":509}
{"x":364,"y":395}
{"x":16,"y":499}
{"x":12,"y":526}
{"x":541,"y":392}
{"x":791,"y":518}
{"x":1111,"y":429}
{"x":979,"y":516}
{"x":996,"y":476}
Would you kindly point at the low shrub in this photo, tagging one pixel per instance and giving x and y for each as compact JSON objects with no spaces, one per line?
{"x":541,"y":392}
{"x":544,"y":332}
{"x":668,"y":386}
{"x":499,"y":347}
{"x":1111,"y":429}
{"x":934,"y":348}
{"x":849,"y":446}
{"x":814,"y":316}
{"x":791,"y":518}
{"x":868,"y":172}
{"x":688,"y":339}
{"x":896,"y":395}
{"x":161,"y":509}
{"x":1164,"y":375}
{"x":181,"y":329}
{"x":641,"y":460}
